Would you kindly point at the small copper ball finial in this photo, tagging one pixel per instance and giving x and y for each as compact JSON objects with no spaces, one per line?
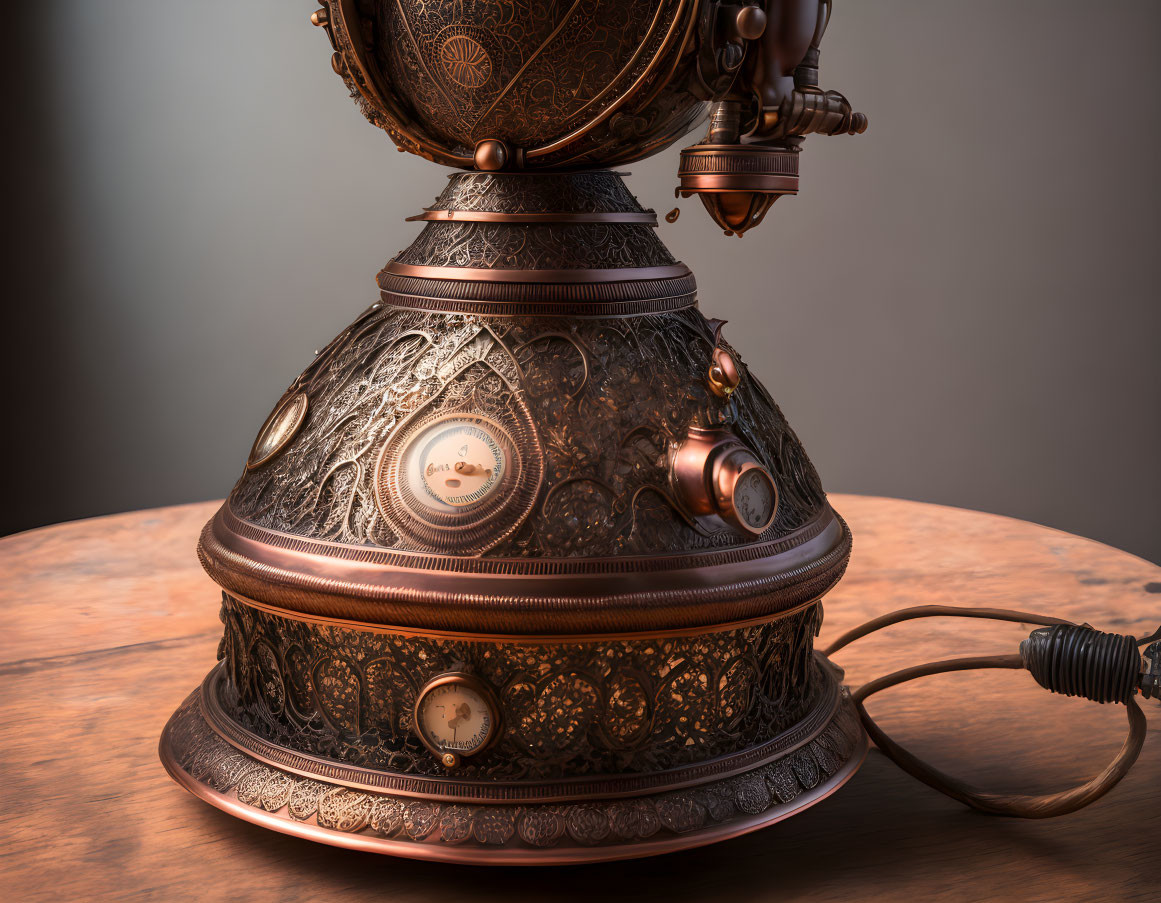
{"x":750,"y":22}
{"x":491,"y":155}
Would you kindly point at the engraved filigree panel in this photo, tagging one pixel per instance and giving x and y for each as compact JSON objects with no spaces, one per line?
{"x":525,"y":71}
{"x":608,"y":398}
{"x":586,"y":192}
{"x":567,"y":708}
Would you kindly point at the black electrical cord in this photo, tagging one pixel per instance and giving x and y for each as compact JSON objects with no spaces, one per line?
{"x":1071,"y":659}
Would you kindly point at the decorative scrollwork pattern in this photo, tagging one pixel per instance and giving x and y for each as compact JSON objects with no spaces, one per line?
{"x":594,"y":707}
{"x":591,"y":75}
{"x":608,"y":398}
{"x":548,"y":246}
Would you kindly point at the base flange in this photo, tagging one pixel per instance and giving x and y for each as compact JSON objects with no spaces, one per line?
{"x":588,"y":830}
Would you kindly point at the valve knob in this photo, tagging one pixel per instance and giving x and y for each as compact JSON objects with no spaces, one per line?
{"x":724,"y":375}
{"x":721,"y":482}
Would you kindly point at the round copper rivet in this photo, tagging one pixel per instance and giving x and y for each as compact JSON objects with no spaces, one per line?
{"x":491,"y":155}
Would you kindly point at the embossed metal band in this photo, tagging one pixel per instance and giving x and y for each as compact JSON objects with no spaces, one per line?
{"x":522,"y":275}
{"x":489,"y":595}
{"x":450,"y":789}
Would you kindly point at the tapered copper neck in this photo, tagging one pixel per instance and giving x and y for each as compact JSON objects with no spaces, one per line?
{"x":574,"y":239}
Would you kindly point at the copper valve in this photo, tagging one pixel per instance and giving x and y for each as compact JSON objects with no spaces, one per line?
{"x":721,"y":482}
{"x":759,"y":69}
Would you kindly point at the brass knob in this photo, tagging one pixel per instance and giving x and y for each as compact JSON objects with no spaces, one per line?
{"x":491,"y":155}
{"x":750,"y":22}
{"x":320,"y":17}
{"x":337,"y":63}
{"x":724,"y":375}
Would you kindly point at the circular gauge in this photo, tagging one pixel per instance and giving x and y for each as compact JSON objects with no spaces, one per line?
{"x":746,"y":496}
{"x":456,"y":716}
{"x":755,"y":498}
{"x":457,"y":463}
{"x":279,"y":428}
{"x":458,"y":482}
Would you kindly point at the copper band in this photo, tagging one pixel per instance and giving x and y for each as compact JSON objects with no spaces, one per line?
{"x":528,"y":596}
{"x":483,"y":274}
{"x":483,"y":216}
{"x":632,"y":298}
{"x":706,"y":183}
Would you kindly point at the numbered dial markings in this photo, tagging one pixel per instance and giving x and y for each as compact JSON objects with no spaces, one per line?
{"x":455,"y":716}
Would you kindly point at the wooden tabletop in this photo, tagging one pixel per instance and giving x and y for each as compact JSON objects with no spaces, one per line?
{"x":110,"y":622}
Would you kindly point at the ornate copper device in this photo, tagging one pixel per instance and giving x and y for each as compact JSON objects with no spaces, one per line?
{"x":526,"y":566}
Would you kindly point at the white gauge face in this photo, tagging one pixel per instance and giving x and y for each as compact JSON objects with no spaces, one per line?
{"x":755,"y":498}
{"x":457,"y":463}
{"x":455,"y":717}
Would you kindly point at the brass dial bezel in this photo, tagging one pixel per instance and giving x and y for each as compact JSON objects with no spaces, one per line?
{"x":470,"y":682}
{"x":728,"y":473}
{"x":475,"y":528}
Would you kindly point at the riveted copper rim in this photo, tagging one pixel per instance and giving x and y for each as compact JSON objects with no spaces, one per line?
{"x":538,"y":639}
{"x":524,"y":596}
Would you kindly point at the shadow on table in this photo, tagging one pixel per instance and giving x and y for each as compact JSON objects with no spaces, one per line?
{"x":881,"y":836}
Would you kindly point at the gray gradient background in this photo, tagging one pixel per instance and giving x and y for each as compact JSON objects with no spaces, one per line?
{"x":960,"y":307}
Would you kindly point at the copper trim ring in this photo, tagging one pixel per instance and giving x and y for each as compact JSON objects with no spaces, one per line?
{"x":488,"y":274}
{"x":826,"y":708}
{"x":620,"y":571}
{"x":708,"y":183}
{"x":582,"y":298}
{"x":538,"y":639}
{"x":509,"y":308}
{"x":433,"y":215}
{"x":480,"y":595}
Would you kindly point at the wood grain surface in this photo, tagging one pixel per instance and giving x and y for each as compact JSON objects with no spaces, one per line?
{"x":110,"y":622}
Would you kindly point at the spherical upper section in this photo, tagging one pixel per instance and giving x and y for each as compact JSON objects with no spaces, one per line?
{"x":592,"y":82}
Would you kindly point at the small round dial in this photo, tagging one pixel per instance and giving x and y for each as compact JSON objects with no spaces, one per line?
{"x":455,"y":716}
{"x":457,"y":463}
{"x":755,"y":498}
{"x":280,"y":427}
